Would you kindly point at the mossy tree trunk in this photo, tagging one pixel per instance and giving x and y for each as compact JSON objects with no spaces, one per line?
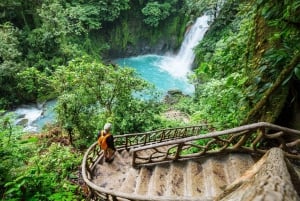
{"x":261,"y":107}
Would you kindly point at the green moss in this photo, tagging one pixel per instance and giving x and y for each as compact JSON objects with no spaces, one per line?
{"x":121,"y":35}
{"x":132,"y":30}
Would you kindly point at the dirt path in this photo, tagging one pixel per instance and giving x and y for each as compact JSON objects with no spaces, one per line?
{"x":177,"y":116}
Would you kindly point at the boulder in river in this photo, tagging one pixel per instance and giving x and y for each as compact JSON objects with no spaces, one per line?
{"x":22,"y":122}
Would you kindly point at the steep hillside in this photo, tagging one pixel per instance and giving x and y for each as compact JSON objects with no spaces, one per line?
{"x":130,"y":35}
{"x":253,"y":48}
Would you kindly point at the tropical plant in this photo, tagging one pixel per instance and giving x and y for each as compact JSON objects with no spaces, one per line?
{"x":155,"y":12}
{"x":45,"y":176}
{"x":34,"y":85}
{"x":34,"y":171}
{"x":221,"y":77}
{"x":196,"y":7}
{"x":222,"y":103}
{"x":138,"y":115}
{"x":9,"y":64}
{"x":93,"y":93}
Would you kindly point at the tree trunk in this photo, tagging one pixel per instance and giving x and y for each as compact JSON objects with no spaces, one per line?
{"x":257,"y":112}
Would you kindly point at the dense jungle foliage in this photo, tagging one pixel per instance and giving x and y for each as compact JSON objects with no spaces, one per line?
{"x":246,"y":70}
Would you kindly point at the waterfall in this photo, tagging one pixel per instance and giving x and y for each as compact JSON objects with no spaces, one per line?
{"x":180,"y":64}
{"x":33,"y":117}
{"x":27,"y":115}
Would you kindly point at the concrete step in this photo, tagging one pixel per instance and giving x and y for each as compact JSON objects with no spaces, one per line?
{"x":237,"y":164}
{"x":195,"y":183}
{"x":203,"y":178}
{"x":158,"y":183}
{"x":129,"y":184}
{"x":143,"y":180}
{"x":176,"y":180}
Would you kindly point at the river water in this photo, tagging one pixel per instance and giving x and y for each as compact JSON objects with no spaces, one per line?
{"x":170,"y":71}
{"x":34,"y":117}
{"x":149,"y":68}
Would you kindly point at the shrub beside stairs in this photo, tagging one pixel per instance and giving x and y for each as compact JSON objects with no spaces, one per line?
{"x":159,"y":171}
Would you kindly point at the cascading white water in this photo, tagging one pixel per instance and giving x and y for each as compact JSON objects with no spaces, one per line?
{"x":29,"y":113}
{"x":180,"y":64}
{"x":33,"y":117}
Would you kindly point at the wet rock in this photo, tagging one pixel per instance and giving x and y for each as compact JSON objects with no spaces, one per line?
{"x":173,"y":96}
{"x":20,"y":116}
{"x":22,"y":122}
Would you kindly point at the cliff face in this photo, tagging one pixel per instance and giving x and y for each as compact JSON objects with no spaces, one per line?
{"x":131,"y":36}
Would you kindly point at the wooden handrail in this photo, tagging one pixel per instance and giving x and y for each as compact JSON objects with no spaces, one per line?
{"x":246,"y":138}
{"x":127,"y":141}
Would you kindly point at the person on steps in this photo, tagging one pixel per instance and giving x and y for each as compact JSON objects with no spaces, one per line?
{"x":106,"y":142}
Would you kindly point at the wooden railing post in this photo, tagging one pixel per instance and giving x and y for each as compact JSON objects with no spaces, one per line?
{"x":145,"y":138}
{"x":179,"y":148}
{"x":162,"y":136}
{"x":133,"y":159}
{"x":260,"y":134}
{"x":126,"y":143}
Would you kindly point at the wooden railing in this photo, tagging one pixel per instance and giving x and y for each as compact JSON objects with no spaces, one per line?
{"x":129,"y":141}
{"x":250,"y":138}
{"x":190,"y":142}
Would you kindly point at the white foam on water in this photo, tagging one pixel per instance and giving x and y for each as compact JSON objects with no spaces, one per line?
{"x":29,"y":113}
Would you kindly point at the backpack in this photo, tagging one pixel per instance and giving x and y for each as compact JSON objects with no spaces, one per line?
{"x":102,"y":140}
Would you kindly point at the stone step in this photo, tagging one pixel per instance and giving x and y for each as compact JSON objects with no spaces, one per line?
{"x":158,"y":183}
{"x":237,"y":164}
{"x":195,"y":183}
{"x":217,"y":175}
{"x":100,"y":176}
{"x":125,"y":154}
{"x":204,"y":178}
{"x":176,"y":180}
{"x":143,"y":180}
{"x":105,"y":174}
{"x":115,"y":171}
{"x":125,"y":157}
{"x":267,"y":179}
{"x":129,"y":184}
{"x":208,"y":177}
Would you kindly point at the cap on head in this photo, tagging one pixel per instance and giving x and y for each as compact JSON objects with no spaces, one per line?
{"x":107,"y":126}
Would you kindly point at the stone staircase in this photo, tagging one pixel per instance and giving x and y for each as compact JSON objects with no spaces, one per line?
{"x":204,"y":178}
{"x":169,"y":165}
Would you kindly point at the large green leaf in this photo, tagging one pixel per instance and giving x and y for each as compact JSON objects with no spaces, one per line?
{"x":297,"y":72}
